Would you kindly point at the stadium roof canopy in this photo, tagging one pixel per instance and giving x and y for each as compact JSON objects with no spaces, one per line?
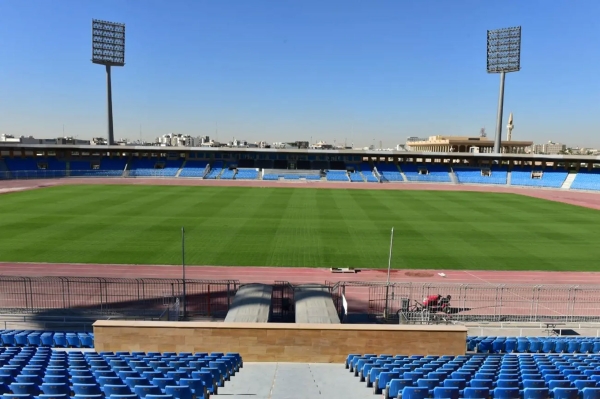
{"x":5,"y":148}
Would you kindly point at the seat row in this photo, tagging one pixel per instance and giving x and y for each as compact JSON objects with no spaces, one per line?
{"x":48,"y":339}
{"x":479,"y":376}
{"x":46,"y":374}
{"x":533,"y":345}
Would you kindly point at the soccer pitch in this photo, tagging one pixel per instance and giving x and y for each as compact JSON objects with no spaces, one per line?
{"x":296,"y":227}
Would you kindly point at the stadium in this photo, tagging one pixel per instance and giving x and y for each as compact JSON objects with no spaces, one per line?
{"x":454,"y":267}
{"x":299,"y":240}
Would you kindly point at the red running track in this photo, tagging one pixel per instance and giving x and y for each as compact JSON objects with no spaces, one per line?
{"x":296,"y":275}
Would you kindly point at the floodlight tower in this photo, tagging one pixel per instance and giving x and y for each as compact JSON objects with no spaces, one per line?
{"x":503,"y":55}
{"x":108,"y":49}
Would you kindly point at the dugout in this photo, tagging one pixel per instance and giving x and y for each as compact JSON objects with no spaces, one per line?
{"x":251,"y":304}
{"x":314,"y":304}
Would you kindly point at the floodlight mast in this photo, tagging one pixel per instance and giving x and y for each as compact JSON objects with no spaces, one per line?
{"x":503,"y":55}
{"x":108,"y":49}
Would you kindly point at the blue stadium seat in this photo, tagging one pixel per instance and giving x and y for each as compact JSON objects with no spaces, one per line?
{"x":199,"y":390}
{"x":536,"y":393}
{"x":143,"y":390}
{"x":25,"y":388}
{"x":565,"y":393}
{"x":208,"y":380}
{"x":179,"y":392}
{"x":415,"y":393}
{"x":476,"y":393}
{"x":110,"y":390}
{"x":446,"y":393}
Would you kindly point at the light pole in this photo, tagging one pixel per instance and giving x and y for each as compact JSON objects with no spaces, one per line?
{"x":183,"y":271}
{"x":387,"y":287}
{"x":108,"y":49}
{"x":503,"y":55}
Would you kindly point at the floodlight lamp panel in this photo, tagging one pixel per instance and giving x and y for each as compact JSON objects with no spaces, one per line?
{"x":504,"y":50}
{"x":108,"y":43}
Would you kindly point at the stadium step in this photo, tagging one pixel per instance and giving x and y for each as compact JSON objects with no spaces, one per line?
{"x":569,"y":181}
{"x":508,"y":177}
{"x":181,"y":168}
{"x":402,"y":173}
{"x":453,"y":178}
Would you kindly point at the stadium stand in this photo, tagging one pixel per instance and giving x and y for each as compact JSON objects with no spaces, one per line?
{"x":48,"y":374}
{"x":494,"y":175}
{"x":356,"y":177}
{"x":246,"y":174}
{"x":227,"y":174}
{"x":427,"y":173}
{"x":18,"y":164}
{"x":291,"y":174}
{"x":251,"y":304}
{"x":36,"y":167}
{"x":215,"y":170}
{"x":538,"y":178}
{"x":193,"y":168}
{"x":479,"y":376}
{"x":105,"y":168}
{"x":587,"y":180}
{"x":389,"y":172}
{"x":153,"y":168}
{"x":48,"y":339}
{"x":337,"y":175}
{"x":367,"y":172}
{"x":270,"y":176}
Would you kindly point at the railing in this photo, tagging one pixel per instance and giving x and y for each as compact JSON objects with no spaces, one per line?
{"x":475,"y":302}
{"x":282,"y":303}
{"x":147,"y":297}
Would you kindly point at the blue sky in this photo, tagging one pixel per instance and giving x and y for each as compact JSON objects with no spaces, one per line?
{"x":354,"y":71}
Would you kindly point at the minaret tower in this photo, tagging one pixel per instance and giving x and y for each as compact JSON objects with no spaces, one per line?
{"x":510,"y":126}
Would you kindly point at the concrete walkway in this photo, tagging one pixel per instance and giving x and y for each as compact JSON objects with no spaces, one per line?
{"x":295,"y":381}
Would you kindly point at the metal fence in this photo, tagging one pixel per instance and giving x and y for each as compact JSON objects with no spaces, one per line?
{"x":148,"y":297}
{"x":475,"y":302}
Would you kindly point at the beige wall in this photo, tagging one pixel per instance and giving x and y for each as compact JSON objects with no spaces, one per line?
{"x":270,"y":342}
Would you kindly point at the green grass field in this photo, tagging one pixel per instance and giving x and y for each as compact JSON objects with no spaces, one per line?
{"x":296,"y":227}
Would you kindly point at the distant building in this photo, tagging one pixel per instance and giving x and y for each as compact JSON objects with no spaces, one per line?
{"x":9,"y":138}
{"x":464,"y":144}
{"x":550,"y":148}
{"x":554,"y":148}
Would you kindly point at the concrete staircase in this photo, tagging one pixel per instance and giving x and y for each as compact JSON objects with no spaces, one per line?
{"x":453,"y":177}
{"x":181,"y":168}
{"x":508,"y":177}
{"x":402,"y":173}
{"x":569,"y":181}
{"x":127,"y":168}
